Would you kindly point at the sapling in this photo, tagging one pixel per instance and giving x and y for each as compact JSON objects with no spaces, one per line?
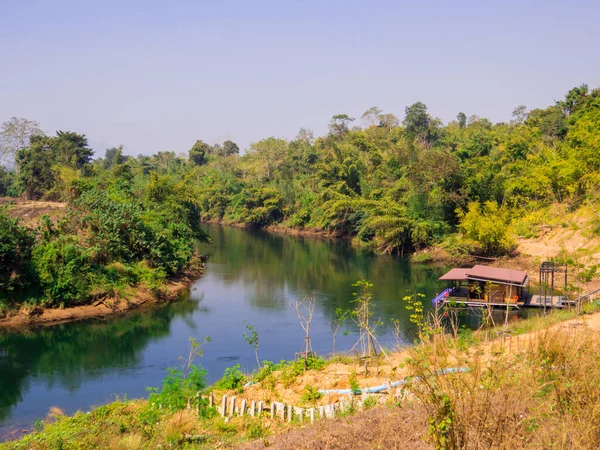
{"x":335,"y":325}
{"x":304,"y":309}
{"x":252,"y":339}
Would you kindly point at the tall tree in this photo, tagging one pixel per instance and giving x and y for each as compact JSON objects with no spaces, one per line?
{"x":198,"y":154}
{"x":340,"y":125}
{"x":71,"y":149}
{"x":462,"y":119}
{"x":35,"y":167}
{"x":416,"y":119}
{"x":270,"y":154}
{"x":519,"y":114}
{"x":230,"y":148}
{"x":14,"y":135}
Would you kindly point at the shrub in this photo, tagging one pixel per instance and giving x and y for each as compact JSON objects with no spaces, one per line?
{"x":64,"y":270}
{"x":16,"y":244}
{"x":233,"y":379}
{"x":310,"y":395}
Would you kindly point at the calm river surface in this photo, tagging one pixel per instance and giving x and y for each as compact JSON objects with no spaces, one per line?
{"x":250,"y":275}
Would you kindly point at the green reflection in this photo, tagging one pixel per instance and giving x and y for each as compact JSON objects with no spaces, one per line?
{"x":73,"y":353}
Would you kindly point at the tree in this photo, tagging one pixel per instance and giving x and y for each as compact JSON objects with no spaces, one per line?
{"x":113,"y":157}
{"x":71,"y":149}
{"x":487,"y":224}
{"x":269,"y":154}
{"x":35,"y":175}
{"x":462,"y":119}
{"x":16,"y":244}
{"x":371,"y":116}
{"x":340,"y":125}
{"x":416,"y":120}
{"x":572,"y":99}
{"x":304,"y":310}
{"x":388,"y":121}
{"x":230,"y":148}
{"x":14,"y":135}
{"x":198,"y":154}
{"x":305,"y":135}
{"x":251,"y":337}
{"x":519,"y":114}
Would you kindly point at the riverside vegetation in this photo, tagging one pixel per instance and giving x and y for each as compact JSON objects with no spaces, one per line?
{"x":529,"y":385}
{"x":469,"y":187}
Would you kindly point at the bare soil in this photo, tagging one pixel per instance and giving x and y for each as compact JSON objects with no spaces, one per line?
{"x":142,"y":297}
{"x":30,"y":212}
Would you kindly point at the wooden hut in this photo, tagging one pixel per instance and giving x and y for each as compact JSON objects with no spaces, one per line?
{"x":485,"y":285}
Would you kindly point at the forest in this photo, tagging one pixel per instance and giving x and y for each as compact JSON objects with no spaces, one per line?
{"x":390,"y":184}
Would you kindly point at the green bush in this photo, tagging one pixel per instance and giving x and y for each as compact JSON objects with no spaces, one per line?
{"x":16,"y":245}
{"x":233,"y":379}
{"x":64,"y":269}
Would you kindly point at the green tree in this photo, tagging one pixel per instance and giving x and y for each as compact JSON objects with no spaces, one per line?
{"x":487,"y":224}
{"x":417,"y":120}
{"x":230,"y":148}
{"x":16,"y":245}
{"x":462,"y":119}
{"x":340,"y":125}
{"x":35,"y":175}
{"x":198,"y":154}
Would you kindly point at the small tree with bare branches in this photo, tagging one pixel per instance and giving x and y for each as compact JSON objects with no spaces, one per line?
{"x":305,"y":309}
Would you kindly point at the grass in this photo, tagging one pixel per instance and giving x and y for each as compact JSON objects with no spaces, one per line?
{"x":533,"y":387}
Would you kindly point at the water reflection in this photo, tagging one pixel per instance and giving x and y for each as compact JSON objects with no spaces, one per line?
{"x":65,"y":357}
{"x":250,"y":276}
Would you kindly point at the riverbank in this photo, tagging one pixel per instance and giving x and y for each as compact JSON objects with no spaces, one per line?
{"x":137,"y":297}
{"x":512,"y":378}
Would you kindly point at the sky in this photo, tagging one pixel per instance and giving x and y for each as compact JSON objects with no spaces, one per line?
{"x":157,"y":75}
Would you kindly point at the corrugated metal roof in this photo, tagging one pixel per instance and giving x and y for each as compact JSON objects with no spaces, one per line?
{"x":479,"y":272}
{"x":498,"y":274}
{"x":455,"y":275}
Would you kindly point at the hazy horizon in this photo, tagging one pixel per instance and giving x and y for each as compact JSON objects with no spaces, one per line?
{"x":154,"y":78}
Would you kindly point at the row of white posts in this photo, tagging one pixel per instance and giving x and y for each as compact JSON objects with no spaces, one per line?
{"x":278,"y":410}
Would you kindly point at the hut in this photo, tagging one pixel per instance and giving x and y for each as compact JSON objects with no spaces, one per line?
{"x":485,"y":285}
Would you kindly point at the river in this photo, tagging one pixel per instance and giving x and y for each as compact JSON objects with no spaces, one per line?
{"x":251,"y":276}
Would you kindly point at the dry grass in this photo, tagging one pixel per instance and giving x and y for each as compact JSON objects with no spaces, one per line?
{"x":540,"y":390}
{"x":379,"y":428}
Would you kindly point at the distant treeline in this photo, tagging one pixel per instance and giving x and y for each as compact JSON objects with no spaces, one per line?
{"x":395,"y":185}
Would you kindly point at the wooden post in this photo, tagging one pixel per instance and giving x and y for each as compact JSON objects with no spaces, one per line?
{"x":232,"y":406}
{"x":243,"y":408}
{"x":289,"y":413}
{"x":273,"y":410}
{"x":224,"y":406}
{"x":211,"y":400}
{"x":301,"y":414}
{"x":281,"y":409}
{"x":312,"y":415}
{"x":342,"y":405}
{"x":252,"y":408}
{"x":260,"y":408}
{"x":333,"y":410}
{"x":321,"y":412}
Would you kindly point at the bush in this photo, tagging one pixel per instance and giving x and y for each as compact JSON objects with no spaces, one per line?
{"x":180,"y":390}
{"x":16,"y":245}
{"x":64,"y":269}
{"x":233,"y":379}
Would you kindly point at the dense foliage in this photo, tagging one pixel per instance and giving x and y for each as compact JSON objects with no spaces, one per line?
{"x":393,"y":185}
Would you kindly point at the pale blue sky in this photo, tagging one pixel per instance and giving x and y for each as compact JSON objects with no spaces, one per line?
{"x":157,"y":75}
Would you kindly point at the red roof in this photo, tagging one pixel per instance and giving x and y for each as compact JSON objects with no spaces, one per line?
{"x":455,"y":275}
{"x":498,"y":274}
{"x":479,"y":272}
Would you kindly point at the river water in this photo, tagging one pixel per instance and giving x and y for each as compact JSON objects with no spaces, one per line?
{"x":250,"y":276}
